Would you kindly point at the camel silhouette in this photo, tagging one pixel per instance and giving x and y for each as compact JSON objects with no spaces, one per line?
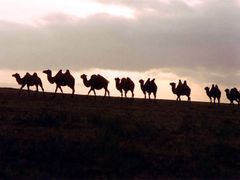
{"x":149,"y":87}
{"x":61,"y":79}
{"x":96,"y":82}
{"x":29,"y":80}
{"x":125,"y":84}
{"x":214,"y":93}
{"x":181,"y":90}
{"x":233,"y":95}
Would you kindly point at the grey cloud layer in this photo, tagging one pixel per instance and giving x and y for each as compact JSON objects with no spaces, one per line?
{"x":168,"y":36}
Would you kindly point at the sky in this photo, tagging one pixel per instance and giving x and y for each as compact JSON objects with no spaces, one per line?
{"x":196,"y":40}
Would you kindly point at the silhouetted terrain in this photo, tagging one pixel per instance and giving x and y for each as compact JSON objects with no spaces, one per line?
{"x":64,"y":138}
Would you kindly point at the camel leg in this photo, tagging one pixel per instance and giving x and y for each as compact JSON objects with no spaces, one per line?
{"x":105,"y":92}
{"x":132,"y":94}
{"x":149,"y":96}
{"x":218,"y":100}
{"x":36,"y":90}
{"x":154,"y":94}
{"x":61,"y":89}
{"x":73,"y":91}
{"x":178,"y":98}
{"x":42,"y":89}
{"x":125,"y":93}
{"x":121,"y":93}
{"x":89,"y":91}
{"x":95,"y":94}
{"x":189,"y":98}
{"x":20,"y":90}
{"x":108,"y":92}
{"x":55,"y":91}
{"x":28,"y":88}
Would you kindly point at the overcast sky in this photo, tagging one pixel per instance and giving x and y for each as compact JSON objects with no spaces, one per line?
{"x":192,"y":38}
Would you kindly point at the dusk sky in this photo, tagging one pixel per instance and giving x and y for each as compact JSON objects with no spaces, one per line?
{"x":196,"y":40}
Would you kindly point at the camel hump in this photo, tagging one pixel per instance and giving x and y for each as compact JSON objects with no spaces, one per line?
{"x":234,"y":91}
{"x":35,"y":74}
{"x":180,"y":82}
{"x":131,"y":83}
{"x":129,"y":80}
{"x":153,"y":80}
{"x":27,"y":75}
{"x":147,"y":81}
{"x":67,"y":72}
{"x":98,"y":79}
{"x":59,"y":72}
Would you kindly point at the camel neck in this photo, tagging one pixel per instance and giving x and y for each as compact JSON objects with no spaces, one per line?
{"x":142,"y":87}
{"x":208,"y":92}
{"x":19,"y":79}
{"x":86,"y":82}
{"x":174,"y":89}
{"x":50,"y":78}
{"x":118,"y":86}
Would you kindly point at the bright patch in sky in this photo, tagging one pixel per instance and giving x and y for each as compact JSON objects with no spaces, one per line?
{"x":31,"y":11}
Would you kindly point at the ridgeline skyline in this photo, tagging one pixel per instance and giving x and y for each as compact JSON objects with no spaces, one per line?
{"x":167,"y":40}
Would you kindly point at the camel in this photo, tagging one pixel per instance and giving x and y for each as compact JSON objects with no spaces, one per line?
{"x":96,"y":82}
{"x":214,"y":93}
{"x":149,"y":87}
{"x":29,"y":80}
{"x":181,"y":90}
{"x":61,"y":79}
{"x":125,"y":84}
{"x":233,"y":95}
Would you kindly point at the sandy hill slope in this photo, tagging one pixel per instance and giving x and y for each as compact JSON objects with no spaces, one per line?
{"x":80,"y":137}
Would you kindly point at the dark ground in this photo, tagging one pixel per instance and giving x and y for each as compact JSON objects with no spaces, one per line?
{"x":73,"y":138}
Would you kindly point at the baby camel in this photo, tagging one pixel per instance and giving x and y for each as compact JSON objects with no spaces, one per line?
{"x":29,"y":80}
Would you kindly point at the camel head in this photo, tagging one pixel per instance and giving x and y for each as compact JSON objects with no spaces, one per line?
{"x":206,"y":89}
{"x":48,"y":72}
{"x":117,"y":79}
{"x":173,"y":84}
{"x":227,"y":91}
{"x":141,"y":81}
{"x":16,"y":75}
{"x":83,"y":76}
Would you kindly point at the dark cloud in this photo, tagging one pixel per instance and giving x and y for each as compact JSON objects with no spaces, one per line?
{"x":162,"y":36}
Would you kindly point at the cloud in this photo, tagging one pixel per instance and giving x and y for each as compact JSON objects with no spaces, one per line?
{"x":200,"y":42}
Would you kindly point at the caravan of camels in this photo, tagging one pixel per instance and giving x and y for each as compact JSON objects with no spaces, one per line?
{"x":97,"y":82}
